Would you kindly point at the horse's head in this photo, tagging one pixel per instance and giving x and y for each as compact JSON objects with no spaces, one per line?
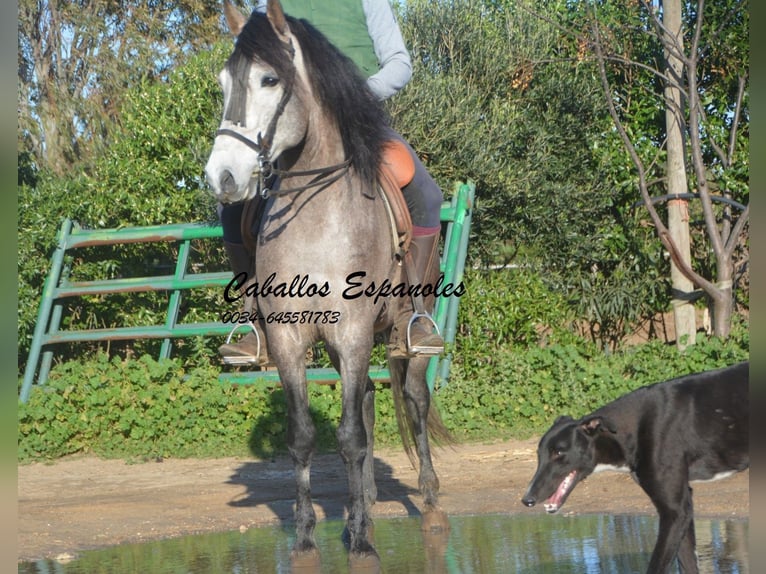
{"x":264,"y":102}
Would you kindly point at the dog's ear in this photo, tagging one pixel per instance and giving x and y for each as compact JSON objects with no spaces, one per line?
{"x":563,"y":419}
{"x":594,"y":424}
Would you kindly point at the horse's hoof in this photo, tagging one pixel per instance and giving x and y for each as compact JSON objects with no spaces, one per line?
{"x":435,"y":521}
{"x":364,"y":563}
{"x":307,"y":561}
{"x":364,"y":547}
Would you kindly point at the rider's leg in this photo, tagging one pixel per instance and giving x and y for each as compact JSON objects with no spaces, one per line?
{"x":250,"y":349}
{"x":424,"y":198}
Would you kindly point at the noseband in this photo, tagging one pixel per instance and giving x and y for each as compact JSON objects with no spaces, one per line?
{"x":262,"y":147}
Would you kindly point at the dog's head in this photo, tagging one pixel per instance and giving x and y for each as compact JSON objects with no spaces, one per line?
{"x":565,"y":456}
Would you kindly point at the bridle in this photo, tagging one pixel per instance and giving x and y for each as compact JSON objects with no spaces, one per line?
{"x":324,"y":176}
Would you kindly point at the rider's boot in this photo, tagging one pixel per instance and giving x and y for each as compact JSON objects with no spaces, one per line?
{"x":251,"y":348}
{"x":417,"y":337}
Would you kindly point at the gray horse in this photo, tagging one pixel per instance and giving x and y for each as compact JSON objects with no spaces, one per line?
{"x":323,"y":244}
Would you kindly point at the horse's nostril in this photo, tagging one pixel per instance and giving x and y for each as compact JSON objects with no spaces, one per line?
{"x":228,"y":185}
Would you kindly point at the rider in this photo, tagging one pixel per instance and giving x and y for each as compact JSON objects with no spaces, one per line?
{"x":367,"y":32}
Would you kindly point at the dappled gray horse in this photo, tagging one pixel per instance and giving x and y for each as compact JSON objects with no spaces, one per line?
{"x":324,"y":244}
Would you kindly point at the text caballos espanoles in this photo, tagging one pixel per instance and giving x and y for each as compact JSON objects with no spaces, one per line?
{"x":355,"y":286}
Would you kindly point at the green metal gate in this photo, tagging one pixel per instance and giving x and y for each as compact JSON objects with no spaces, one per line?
{"x":456,"y":213}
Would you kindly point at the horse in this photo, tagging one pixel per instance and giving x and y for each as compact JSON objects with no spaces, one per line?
{"x":295,"y":106}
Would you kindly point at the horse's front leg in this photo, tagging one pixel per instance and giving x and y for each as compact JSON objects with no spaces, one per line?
{"x":353,"y":445}
{"x":368,"y":416}
{"x":301,"y":438}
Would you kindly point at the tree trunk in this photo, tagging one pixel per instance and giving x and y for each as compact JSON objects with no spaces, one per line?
{"x":722,"y":301}
{"x":678,"y":215}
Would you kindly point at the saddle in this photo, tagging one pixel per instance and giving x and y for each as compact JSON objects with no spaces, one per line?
{"x":398,"y":212}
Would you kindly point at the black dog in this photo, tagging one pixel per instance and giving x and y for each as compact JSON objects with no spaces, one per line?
{"x":667,"y":434}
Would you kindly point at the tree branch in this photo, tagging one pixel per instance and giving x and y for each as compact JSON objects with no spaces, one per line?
{"x":662,"y":231}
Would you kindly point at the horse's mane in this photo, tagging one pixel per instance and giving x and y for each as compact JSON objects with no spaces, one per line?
{"x":340,"y":88}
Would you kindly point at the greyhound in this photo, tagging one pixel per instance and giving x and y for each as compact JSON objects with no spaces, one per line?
{"x":691,"y":428}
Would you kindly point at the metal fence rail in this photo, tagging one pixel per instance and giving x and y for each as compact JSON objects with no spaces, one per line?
{"x":48,"y":333}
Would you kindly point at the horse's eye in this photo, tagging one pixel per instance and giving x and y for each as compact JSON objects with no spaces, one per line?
{"x":269,"y":81}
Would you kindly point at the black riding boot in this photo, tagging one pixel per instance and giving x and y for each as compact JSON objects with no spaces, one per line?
{"x":250,"y":349}
{"x":417,"y":337}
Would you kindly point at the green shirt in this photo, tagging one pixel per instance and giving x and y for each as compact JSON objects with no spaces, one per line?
{"x":345,"y":25}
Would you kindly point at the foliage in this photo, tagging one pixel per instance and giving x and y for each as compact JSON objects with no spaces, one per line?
{"x":499,"y":94}
{"x":705,"y":153}
{"x":139,"y":409}
{"x":510,"y":308}
{"x":528,"y":125}
{"x":152,"y":174}
{"x":72,"y":72}
{"x":519,"y":361}
{"x":521,"y":393}
{"x":146,"y":408}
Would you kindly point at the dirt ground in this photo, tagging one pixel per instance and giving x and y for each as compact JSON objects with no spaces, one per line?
{"x":83,"y":503}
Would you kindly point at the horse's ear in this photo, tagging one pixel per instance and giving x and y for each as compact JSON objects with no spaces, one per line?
{"x":235,"y":20}
{"x":277,"y":18}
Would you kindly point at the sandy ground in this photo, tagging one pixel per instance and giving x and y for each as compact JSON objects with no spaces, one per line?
{"x":83,"y":503}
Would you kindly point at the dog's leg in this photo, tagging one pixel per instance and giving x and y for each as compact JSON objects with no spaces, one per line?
{"x":672,"y":498}
{"x":687,"y":553}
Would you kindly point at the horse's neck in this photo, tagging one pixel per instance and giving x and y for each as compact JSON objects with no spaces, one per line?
{"x":321,"y":147}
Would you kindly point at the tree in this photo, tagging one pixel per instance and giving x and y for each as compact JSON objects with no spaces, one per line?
{"x":712,"y":114}
{"x":508,"y":98}
{"x":152,"y":174}
{"x":76,"y":59}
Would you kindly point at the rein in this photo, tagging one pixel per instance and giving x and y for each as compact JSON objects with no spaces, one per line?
{"x":266,"y":169}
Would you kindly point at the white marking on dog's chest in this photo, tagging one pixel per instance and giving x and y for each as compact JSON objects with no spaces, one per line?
{"x":612,"y":467}
{"x":717,"y":476}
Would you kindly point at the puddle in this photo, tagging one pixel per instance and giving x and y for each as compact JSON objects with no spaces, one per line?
{"x":534,"y":544}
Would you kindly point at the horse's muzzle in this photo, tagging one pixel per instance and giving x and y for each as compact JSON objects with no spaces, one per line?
{"x":227,"y":184}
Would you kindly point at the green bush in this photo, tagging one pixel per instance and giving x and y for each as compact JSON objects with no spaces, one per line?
{"x":137,"y":409}
{"x":518,"y":361}
{"x":521,"y":392}
{"x":153,"y":174}
{"x":147,"y":408}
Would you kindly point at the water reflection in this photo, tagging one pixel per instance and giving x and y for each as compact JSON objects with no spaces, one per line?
{"x":531,"y":544}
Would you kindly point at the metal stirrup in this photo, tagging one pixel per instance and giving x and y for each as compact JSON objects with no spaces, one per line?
{"x":235,"y":360}
{"x":422,"y":350}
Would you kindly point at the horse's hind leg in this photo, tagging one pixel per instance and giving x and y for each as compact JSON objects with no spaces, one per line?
{"x":368,"y":468}
{"x":417,"y":401}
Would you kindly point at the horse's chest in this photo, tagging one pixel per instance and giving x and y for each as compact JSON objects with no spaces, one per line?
{"x":302,"y":265}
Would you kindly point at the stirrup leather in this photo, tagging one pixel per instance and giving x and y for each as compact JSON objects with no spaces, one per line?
{"x":235,"y":360}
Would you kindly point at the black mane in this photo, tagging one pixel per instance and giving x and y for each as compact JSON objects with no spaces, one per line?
{"x":340,"y":88}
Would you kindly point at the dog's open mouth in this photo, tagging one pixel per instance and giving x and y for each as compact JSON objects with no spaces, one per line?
{"x":557,"y":498}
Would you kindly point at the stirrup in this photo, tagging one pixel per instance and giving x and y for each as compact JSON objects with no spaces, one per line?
{"x":236,"y":361}
{"x":422,"y":349}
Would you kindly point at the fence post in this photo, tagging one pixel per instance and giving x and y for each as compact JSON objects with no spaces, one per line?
{"x":44,"y":312}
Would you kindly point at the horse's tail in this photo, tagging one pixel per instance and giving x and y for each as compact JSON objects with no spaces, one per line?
{"x":437,"y":431}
